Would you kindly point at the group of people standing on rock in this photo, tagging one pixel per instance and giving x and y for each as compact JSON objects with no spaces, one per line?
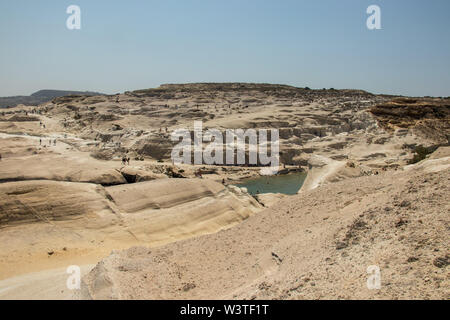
{"x":49,"y":142}
{"x":125,"y":160}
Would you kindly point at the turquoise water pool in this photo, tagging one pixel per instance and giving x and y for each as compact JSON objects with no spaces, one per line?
{"x":285,"y":184}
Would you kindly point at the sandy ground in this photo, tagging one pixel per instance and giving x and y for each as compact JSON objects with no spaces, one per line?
{"x":76,"y":203}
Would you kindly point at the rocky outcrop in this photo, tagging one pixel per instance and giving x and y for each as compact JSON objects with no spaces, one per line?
{"x":429,"y":117}
{"x":317,"y":245}
{"x":51,"y":167}
{"x":133,"y":175}
{"x":48,"y":201}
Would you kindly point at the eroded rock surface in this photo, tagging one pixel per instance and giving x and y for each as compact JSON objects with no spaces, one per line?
{"x":317,"y":245}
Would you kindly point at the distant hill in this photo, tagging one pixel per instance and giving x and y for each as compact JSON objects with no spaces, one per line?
{"x":40,"y":96}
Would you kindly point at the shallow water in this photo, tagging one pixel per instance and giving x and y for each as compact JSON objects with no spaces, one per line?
{"x":285,"y":184}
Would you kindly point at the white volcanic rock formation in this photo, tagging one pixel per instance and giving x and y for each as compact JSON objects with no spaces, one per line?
{"x":74,"y":201}
{"x":317,"y":245}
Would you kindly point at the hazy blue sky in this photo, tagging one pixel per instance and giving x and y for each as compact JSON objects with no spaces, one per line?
{"x":128,"y":45}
